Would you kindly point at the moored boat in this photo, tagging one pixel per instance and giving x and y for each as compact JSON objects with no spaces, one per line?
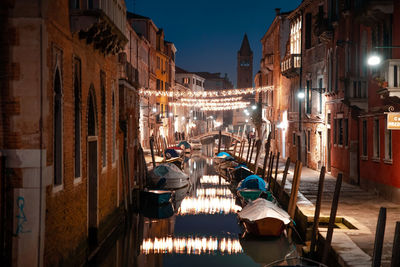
{"x":156,"y":197}
{"x":264,"y":218}
{"x":239,"y":173}
{"x":168,"y":176}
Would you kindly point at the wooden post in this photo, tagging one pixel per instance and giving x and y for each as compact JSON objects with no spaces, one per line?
{"x":234,"y":148}
{"x":258,"y":152}
{"x":252,"y":150}
{"x":152,"y":152}
{"x":283,"y":182}
{"x":242,"y":144}
{"x":248,"y":152}
{"x":332,"y":218}
{"x":276,"y":173}
{"x":379,"y":235}
{"x":267,"y":147}
{"x":317,"y":210}
{"x":294,"y":191}
{"x":396,"y":247}
{"x":219,"y":141}
{"x":270,"y":167}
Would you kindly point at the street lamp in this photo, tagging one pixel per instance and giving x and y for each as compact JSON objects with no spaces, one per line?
{"x":374,"y":59}
{"x":253,"y":107}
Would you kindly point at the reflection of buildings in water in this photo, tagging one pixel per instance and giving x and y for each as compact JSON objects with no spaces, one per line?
{"x":191,"y":245}
{"x":208,"y":205}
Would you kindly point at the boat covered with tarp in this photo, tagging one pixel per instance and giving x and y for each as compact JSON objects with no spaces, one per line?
{"x":253,"y":187}
{"x":264,"y":218}
{"x":168,"y":176}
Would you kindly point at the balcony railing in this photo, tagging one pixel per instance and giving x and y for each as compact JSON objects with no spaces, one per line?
{"x":290,"y":65}
{"x":356,"y":93}
{"x":101,"y":22}
{"x":390,"y":74}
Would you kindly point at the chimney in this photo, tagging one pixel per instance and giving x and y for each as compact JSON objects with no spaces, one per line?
{"x":277,"y":11}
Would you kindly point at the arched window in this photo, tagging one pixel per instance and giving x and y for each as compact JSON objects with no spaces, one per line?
{"x":77,"y":118}
{"x":330,"y":63}
{"x":57,"y":131}
{"x":336,"y":70}
{"x":113,"y":126}
{"x":103,"y":119}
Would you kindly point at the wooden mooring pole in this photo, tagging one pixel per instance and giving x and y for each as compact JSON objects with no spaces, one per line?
{"x":332,"y":218}
{"x":267,"y":148}
{"x":379,"y":235}
{"x":219,"y":141}
{"x":284,"y":176}
{"x":317,"y":210}
{"x":293,"y":193}
{"x":152,"y":152}
{"x":252,"y":150}
{"x":276,"y":173}
{"x":396,"y":247}
{"x":270,"y":167}
{"x":248,"y":152}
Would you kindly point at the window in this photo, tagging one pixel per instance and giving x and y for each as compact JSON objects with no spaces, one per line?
{"x":346,"y":132}
{"x":328,"y":119}
{"x":330,"y":67}
{"x":75,"y":4}
{"x":58,"y":129}
{"x":340,"y":131}
{"x":103,"y":119}
{"x":335,"y":131}
{"x":308,"y":97}
{"x":376,"y":138}
{"x":295,"y":36}
{"x":308,"y":30}
{"x":388,"y":144}
{"x":308,"y":141}
{"x":294,"y":139}
{"x":320,"y":95}
{"x":364,"y":139}
{"x":158,"y":63}
{"x":186,"y":80}
{"x":113,"y":126}
{"x":336,"y":71}
{"x":158,"y":84}
{"x":77,"y":117}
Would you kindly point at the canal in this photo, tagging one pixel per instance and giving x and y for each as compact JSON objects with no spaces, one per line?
{"x":199,"y":228}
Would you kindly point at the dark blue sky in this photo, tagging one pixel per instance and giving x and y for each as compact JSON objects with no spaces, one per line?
{"x":208,"y":33}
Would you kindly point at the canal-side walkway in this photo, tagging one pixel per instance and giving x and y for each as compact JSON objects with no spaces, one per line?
{"x":352,"y":247}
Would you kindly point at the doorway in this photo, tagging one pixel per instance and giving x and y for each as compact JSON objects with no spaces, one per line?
{"x":92,"y":167}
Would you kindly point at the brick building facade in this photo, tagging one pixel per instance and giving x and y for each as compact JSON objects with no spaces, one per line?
{"x":61,"y":136}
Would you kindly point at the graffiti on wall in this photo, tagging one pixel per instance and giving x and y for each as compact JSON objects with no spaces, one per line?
{"x":21,"y":218}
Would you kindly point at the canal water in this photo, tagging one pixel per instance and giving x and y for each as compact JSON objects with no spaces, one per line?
{"x":200,"y":228}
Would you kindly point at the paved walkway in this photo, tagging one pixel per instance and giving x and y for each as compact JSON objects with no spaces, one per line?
{"x":354,"y":247}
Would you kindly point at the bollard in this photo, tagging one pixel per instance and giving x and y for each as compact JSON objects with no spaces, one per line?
{"x":396,"y":247}
{"x":332,"y":218}
{"x":283,"y":182}
{"x":317,"y":209}
{"x":379,"y":235}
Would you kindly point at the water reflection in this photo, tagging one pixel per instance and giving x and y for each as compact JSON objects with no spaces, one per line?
{"x":191,"y":245}
{"x":199,"y":228}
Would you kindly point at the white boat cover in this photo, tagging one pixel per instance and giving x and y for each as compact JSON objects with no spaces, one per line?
{"x":168,"y":170}
{"x":262,"y":208}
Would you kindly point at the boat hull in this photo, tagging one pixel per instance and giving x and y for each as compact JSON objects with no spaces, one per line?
{"x":265,"y":227}
{"x":156,"y":197}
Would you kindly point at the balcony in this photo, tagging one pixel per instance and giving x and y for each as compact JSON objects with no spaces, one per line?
{"x":101,"y":23}
{"x":290,"y":65}
{"x":390,"y":73}
{"x":267,"y":63}
{"x":356,"y":93}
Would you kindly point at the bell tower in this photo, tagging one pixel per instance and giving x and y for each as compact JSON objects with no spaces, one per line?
{"x":244,"y":65}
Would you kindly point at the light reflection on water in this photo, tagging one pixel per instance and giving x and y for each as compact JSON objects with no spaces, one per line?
{"x":203,"y":231}
{"x":191,"y":245}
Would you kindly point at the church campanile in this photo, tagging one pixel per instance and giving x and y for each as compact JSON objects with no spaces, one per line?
{"x":244,"y":65}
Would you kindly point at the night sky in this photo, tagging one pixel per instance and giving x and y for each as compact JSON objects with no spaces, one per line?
{"x":208,"y":34}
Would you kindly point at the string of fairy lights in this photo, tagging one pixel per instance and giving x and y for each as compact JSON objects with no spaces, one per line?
{"x":210,"y":100}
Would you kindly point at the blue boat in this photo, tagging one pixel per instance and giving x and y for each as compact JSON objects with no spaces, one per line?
{"x":251,"y":188}
{"x":156,"y":197}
